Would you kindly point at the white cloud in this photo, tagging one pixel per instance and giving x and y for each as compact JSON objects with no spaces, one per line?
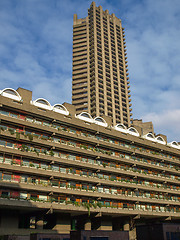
{"x":165,"y":122}
{"x":36,"y":52}
{"x":154,"y":54}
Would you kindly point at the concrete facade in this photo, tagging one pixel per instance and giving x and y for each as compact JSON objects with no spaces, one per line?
{"x":59,"y":172}
{"x":100,"y":83}
{"x":165,"y":231}
{"x":103,"y":235}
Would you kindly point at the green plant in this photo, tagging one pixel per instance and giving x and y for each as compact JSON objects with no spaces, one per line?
{"x":94,"y":205}
{"x":30,"y":136}
{"x":99,"y":204}
{"x":4,"y":196}
{"x":11,"y":131}
{"x":23,"y":148}
{"x":109,"y":152}
{"x":45,"y":151}
{"x":87,"y":205}
{"x":68,"y":202}
{"x":36,"y":151}
{"x":104,"y":164}
{"x":33,"y":199}
{"x":17,"y":135}
{"x":51,"y":153}
{"x":76,"y":204}
{"x":44,"y":138}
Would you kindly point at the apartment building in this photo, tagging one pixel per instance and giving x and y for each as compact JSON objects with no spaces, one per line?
{"x":61,"y":171}
{"x":100,"y":83}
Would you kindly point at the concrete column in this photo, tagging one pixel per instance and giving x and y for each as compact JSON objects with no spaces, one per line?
{"x":102,"y":223}
{"x":130,"y":229}
{"x":63,"y":223}
{"x":39,"y":222}
{"x":106,"y":225}
{"x":126,"y":226}
{"x":87,"y":225}
{"x":132,"y":234}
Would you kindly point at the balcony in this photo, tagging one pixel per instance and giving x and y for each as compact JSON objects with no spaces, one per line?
{"x":143,"y":153}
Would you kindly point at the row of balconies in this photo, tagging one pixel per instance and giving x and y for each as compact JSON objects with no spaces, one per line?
{"x":136,"y":179}
{"x":69,"y":144}
{"x":80,"y":40}
{"x":79,"y":101}
{"x":79,"y":72}
{"x":34,"y":167}
{"x":108,"y":139}
{"x":25,"y":181}
{"x":79,"y":56}
{"x":81,"y":86}
{"x":79,"y":50}
{"x":80,"y":53}
{"x":78,"y":27}
{"x":79,"y":61}
{"x":162,"y":165}
{"x":77,"y":35}
{"x":80,"y":76}
{"x":142,"y":160}
{"x":79,"y":204}
{"x":80,"y":69}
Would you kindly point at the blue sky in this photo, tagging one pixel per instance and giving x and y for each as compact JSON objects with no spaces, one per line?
{"x":36,"y":52}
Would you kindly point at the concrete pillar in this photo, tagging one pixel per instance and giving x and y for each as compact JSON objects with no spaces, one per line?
{"x":132,"y":234}
{"x":63,"y":223}
{"x":127,"y":226}
{"x":106,"y":225}
{"x":75,"y":18}
{"x":102,"y":223}
{"x":87,"y":225}
{"x":39,"y":222}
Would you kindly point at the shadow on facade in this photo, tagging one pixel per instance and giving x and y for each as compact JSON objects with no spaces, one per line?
{"x":23,"y":218}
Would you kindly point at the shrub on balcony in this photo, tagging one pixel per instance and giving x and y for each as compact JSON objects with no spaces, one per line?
{"x":17,"y":135}
{"x":11,"y":131}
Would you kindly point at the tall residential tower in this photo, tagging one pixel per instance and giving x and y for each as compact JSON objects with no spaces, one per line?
{"x":100,"y":75}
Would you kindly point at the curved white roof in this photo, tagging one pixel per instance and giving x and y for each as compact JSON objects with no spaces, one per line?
{"x":161,"y":140}
{"x":150,"y":136}
{"x":85,"y":116}
{"x":100,"y":121}
{"x":11,"y":93}
{"x":174,"y":144}
{"x":121,"y":127}
{"x":60,"y":109}
{"x":42,"y":103}
{"x":133,"y":131}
